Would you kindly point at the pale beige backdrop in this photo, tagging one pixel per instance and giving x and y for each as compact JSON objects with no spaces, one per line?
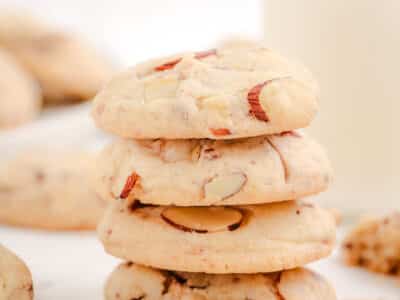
{"x":353,"y":48}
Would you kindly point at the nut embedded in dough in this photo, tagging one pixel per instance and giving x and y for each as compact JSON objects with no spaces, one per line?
{"x":203,"y":219}
{"x":224,"y":186}
{"x":253,"y":97}
{"x":220,"y":131}
{"x":170,"y":64}
{"x":129,"y":185}
{"x":167,"y":65}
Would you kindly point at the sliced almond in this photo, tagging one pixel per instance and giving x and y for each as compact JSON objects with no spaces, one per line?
{"x":203,"y":219}
{"x":220,"y":131}
{"x":263,"y":100}
{"x":281,"y":93}
{"x":168,"y":65}
{"x":129,"y":185}
{"x":161,"y":88}
{"x":290,"y":133}
{"x":253,"y":97}
{"x":224,"y":186}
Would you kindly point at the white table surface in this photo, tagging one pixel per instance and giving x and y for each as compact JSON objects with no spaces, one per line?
{"x":69,"y":265}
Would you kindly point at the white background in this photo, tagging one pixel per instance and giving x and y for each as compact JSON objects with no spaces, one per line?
{"x":133,"y":30}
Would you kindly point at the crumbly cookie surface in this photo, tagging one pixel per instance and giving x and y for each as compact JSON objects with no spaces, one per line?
{"x":50,"y":190}
{"x":20,"y":99}
{"x":206,"y":172}
{"x":15,"y":277}
{"x":375,"y":245}
{"x":241,"y":239}
{"x":67,"y":68}
{"x":130,"y":281}
{"x":240,"y":89}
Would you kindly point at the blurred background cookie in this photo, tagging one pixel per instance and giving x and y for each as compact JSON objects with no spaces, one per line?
{"x":49,"y":190}
{"x":20,"y":99}
{"x":67,"y":68}
{"x":374,"y":244}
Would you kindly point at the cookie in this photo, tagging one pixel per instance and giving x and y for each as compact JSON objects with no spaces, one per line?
{"x":67,"y":67}
{"x":375,"y":245}
{"x":20,"y":98}
{"x":130,"y":281}
{"x":208,"y":172}
{"x":50,"y":190}
{"x":219,"y":239}
{"x":15,"y":277}
{"x":237,"y":90}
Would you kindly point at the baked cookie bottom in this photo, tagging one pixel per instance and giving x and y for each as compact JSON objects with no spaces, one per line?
{"x":131,"y":282}
{"x":375,"y":245}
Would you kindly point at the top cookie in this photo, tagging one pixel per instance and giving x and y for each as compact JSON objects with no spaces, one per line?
{"x":67,"y":68}
{"x":239,"y":90}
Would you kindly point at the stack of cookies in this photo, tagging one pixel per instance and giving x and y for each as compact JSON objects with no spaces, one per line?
{"x":206,"y":178}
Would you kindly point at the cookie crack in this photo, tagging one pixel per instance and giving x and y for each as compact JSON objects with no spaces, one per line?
{"x":281,"y":158}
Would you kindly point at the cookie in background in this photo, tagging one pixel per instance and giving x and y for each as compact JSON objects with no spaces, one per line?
{"x":20,"y":98}
{"x":50,"y":190}
{"x":374,"y":244}
{"x":67,"y":67}
{"x":15,"y":277}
